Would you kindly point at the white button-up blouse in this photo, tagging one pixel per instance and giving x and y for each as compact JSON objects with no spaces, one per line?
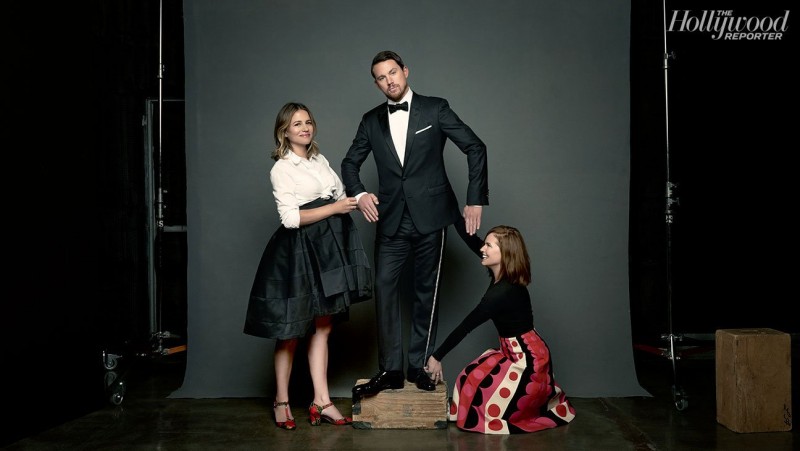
{"x":297,"y":181}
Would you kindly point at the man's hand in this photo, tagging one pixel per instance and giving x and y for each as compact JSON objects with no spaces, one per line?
{"x":367,"y":204}
{"x":472,"y":217}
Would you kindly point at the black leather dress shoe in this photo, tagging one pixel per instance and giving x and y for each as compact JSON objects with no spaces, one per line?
{"x":424,"y":382}
{"x":412,"y":373}
{"x":384,"y":380}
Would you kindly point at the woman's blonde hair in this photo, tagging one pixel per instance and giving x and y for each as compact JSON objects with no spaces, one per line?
{"x":515,"y":263}
{"x":282,"y":123}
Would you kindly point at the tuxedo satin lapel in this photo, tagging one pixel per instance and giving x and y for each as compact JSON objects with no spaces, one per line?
{"x":413,"y":121}
{"x":383,"y":119}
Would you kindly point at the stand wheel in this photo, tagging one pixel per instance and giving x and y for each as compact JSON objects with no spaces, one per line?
{"x":116,"y":399}
{"x":117,"y":394}
{"x":110,"y":377}
{"x":110,"y":361}
{"x":679,"y":396}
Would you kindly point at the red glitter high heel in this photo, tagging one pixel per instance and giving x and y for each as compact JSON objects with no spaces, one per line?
{"x":316,"y":416}
{"x":289,"y":424}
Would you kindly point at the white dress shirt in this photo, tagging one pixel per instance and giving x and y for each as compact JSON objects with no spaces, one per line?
{"x":398,"y":124}
{"x":297,"y":181}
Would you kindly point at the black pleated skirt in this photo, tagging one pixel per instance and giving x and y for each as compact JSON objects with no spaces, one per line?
{"x":316,"y":270}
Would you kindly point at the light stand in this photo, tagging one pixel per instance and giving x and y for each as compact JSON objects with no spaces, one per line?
{"x":678,"y":394}
{"x":671,"y":351}
{"x":157,"y":334}
{"x":115,"y":377}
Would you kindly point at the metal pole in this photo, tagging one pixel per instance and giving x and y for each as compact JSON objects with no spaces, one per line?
{"x":160,"y":193}
{"x":678,"y":394}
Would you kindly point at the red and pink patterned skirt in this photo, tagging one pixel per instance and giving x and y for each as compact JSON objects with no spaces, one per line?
{"x":510,"y":390}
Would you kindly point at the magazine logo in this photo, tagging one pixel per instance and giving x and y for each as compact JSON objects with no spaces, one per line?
{"x":725,"y":25}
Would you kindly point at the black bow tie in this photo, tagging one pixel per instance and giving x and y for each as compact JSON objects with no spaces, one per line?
{"x":398,"y":106}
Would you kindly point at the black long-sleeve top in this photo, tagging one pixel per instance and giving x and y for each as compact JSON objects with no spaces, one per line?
{"x":506,"y":304}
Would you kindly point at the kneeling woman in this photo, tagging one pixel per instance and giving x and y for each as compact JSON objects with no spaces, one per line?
{"x":511,"y":389}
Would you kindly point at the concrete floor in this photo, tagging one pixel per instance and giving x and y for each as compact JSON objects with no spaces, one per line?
{"x":146,"y":419}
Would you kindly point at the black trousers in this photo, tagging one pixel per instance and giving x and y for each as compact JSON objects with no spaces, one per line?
{"x":392,"y":253}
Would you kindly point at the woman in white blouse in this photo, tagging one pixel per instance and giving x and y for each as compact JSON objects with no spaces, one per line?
{"x":313,"y":268}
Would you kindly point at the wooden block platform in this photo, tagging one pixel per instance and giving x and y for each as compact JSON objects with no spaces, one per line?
{"x":406,"y":408}
{"x":754,"y":390}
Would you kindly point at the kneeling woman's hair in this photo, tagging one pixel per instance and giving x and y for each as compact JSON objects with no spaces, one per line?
{"x":516,"y":265}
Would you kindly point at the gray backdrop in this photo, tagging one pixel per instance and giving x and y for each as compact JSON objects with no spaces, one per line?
{"x":544,"y":84}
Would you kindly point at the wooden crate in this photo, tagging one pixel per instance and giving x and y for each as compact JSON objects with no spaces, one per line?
{"x":406,"y":408}
{"x":753,"y":371}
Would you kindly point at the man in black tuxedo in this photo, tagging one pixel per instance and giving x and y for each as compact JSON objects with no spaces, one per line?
{"x":413,"y":208}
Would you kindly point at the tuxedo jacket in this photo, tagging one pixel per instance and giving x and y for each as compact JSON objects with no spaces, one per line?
{"x":420,"y":183}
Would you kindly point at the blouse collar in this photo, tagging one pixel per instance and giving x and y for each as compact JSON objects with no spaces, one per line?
{"x":297,"y":159}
